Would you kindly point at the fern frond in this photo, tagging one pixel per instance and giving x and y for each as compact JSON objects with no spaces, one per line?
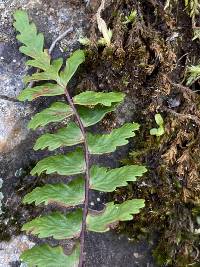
{"x":66,"y":195}
{"x":70,"y":164}
{"x":87,"y":108}
{"x":48,"y":89}
{"x":68,"y":136}
{"x":33,"y":41}
{"x":46,"y":256}
{"x":56,"y":113}
{"x":106,"y":180}
{"x":72,"y":64}
{"x":107,"y":219}
{"x":107,"y":143}
{"x":56,"y":225}
{"x":90,"y":98}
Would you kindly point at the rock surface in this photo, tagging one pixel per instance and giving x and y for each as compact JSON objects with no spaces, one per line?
{"x":12,"y":68}
{"x":114,"y":250}
{"x":52,"y":18}
{"x":13,"y":249}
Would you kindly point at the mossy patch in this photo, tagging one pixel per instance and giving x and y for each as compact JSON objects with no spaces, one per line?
{"x":147,"y":60}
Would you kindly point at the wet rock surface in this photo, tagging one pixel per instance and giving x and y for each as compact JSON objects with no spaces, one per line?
{"x":116,"y":250}
{"x":16,"y":154}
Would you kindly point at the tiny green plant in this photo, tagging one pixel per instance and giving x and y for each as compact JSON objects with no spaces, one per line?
{"x":160,"y":130}
{"x":196,"y":214}
{"x":192,"y":74}
{"x":103,"y":41}
{"x":84,"y":41}
{"x":196,"y":34}
{"x":83,"y":110}
{"x":131,"y":18}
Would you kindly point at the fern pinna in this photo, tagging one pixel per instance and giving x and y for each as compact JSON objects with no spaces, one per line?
{"x":85,"y":109}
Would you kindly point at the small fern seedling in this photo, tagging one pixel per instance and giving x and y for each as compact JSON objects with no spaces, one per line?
{"x":160,"y":130}
{"x":192,"y":74}
{"x":84,"y":109}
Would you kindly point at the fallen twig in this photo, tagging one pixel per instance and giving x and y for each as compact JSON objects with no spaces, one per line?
{"x":59,"y":38}
{"x":102,"y":24}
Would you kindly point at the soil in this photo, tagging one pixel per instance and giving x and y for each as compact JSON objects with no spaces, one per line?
{"x":147,"y":60}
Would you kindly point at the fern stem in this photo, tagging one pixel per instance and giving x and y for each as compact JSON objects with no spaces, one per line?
{"x":87,"y":179}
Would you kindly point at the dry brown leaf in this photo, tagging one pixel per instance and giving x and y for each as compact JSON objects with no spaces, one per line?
{"x":107,"y":33}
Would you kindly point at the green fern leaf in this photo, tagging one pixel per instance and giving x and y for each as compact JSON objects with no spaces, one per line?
{"x":100,"y":144}
{"x":72,"y":163}
{"x":33,"y":42}
{"x":46,"y":256}
{"x":56,"y":225}
{"x":34,"y":48}
{"x":52,"y":73}
{"x":57,"y":112}
{"x":68,"y":136}
{"x":90,"y":98}
{"x":106,"y":180}
{"x":107,"y":219}
{"x":48,"y":89}
{"x":72,"y":65}
{"x":90,"y":116}
{"x":67,"y":195}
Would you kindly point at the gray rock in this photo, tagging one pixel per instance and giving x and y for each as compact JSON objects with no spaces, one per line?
{"x":12,"y":113}
{"x":10,"y":251}
{"x":12,"y":124}
{"x":57,"y":19}
{"x":117,"y":251}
